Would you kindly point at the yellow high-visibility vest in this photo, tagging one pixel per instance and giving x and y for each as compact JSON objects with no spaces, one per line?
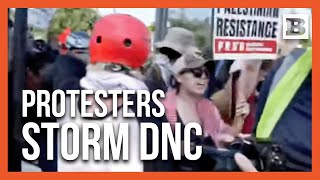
{"x":282,"y":95}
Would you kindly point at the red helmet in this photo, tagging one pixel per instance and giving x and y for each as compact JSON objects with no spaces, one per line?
{"x":121,"y":39}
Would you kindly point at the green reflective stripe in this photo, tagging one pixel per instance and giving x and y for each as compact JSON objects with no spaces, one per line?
{"x":282,"y":94}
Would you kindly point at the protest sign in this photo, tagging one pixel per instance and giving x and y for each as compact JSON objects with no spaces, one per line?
{"x":246,"y":33}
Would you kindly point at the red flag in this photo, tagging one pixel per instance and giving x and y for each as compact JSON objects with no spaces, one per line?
{"x":63,"y":36}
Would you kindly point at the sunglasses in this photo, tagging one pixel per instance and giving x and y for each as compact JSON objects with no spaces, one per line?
{"x":198,"y":72}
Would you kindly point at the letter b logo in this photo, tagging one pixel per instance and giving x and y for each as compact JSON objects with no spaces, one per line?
{"x":295,"y":26}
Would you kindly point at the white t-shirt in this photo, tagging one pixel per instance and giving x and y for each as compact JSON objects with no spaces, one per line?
{"x":132,"y":165}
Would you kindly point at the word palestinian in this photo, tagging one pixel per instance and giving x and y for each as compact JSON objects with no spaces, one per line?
{"x":115,"y":145}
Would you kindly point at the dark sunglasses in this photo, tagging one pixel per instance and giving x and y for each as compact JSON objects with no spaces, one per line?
{"x":198,"y":72}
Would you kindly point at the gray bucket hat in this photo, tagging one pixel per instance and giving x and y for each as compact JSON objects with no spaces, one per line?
{"x":178,"y":39}
{"x":190,"y":60}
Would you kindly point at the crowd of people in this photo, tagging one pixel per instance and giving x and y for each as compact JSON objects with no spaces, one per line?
{"x":268,"y":101}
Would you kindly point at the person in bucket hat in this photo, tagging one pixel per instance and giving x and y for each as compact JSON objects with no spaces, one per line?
{"x":185,"y":103}
{"x":176,"y":43}
{"x":177,"y":39}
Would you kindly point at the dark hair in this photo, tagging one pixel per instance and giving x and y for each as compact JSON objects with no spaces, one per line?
{"x":35,"y":62}
{"x":172,"y":54}
{"x":175,"y":84}
{"x":41,"y":45}
{"x":267,"y":65}
{"x":207,"y":52}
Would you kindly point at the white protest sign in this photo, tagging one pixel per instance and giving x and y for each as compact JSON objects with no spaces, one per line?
{"x":246,"y":33}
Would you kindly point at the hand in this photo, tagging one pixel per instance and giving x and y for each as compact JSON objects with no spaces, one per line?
{"x":242,"y":109}
{"x":244,"y":136}
{"x":223,"y":140}
{"x":244,"y":163}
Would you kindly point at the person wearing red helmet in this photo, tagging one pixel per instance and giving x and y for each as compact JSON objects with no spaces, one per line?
{"x":112,"y":43}
{"x":119,"y":46}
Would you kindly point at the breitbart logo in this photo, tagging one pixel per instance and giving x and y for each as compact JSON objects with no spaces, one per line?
{"x":296,"y":26}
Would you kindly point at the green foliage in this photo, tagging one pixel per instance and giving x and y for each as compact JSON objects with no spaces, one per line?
{"x":39,"y":33}
{"x":11,"y":15}
{"x":78,"y":19}
{"x":152,"y":28}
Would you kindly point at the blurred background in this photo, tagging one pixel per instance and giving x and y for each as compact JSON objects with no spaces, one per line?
{"x":47,"y":23}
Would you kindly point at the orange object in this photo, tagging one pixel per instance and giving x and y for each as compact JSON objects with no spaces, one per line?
{"x":62,"y":38}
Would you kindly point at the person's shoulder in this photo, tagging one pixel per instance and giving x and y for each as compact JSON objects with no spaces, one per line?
{"x":208,"y":102}
{"x":208,"y":105}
